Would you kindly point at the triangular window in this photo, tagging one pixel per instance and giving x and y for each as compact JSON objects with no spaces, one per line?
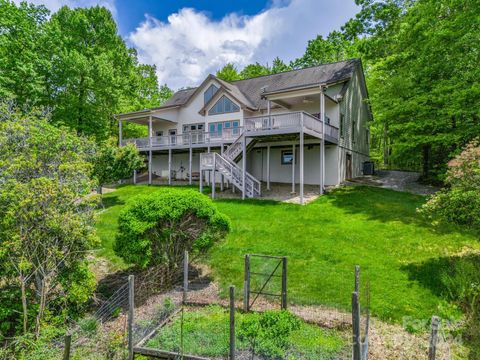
{"x":223,"y":105}
{"x":208,"y":94}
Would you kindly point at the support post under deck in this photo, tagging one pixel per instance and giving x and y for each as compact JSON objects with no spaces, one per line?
{"x":169,"y":166}
{"x":293,"y":169}
{"x":190,"y":162}
{"x":301,"y":161}
{"x":244,"y":165}
{"x":268,"y":167}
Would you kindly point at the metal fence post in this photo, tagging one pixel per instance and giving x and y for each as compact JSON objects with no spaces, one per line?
{"x":356,"y":326}
{"x":432,"y":346}
{"x":131,"y":296}
{"x":232,"y":322}
{"x":246,"y":284}
{"x":357,"y":279}
{"x":68,"y":342}
{"x":185,"y":276}
{"x":284,"y":283}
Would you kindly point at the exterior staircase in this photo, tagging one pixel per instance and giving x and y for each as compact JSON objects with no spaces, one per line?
{"x":227,"y":166}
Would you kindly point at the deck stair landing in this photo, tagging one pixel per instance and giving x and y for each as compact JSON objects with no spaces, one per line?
{"x":227,"y":166}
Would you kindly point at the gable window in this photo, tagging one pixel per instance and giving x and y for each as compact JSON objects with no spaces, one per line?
{"x":208,"y":94}
{"x":342,"y":125}
{"x":223,"y":105}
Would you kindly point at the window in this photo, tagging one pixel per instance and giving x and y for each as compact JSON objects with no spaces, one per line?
{"x":159,"y":133}
{"x":226,"y":128}
{"x":342,"y":125}
{"x":208,"y":94}
{"x":223,"y":105}
{"x":367,"y":137}
{"x":287,"y":157}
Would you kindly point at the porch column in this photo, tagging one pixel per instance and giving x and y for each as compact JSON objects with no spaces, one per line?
{"x":322,"y":141}
{"x":170,"y":166}
{"x":268,"y":167}
{"x":150,"y":167}
{"x":201,"y":179}
{"x":190,"y":161}
{"x":120,"y":134}
{"x":221,"y":177}
{"x":150,"y":131}
{"x":213,"y":178}
{"x":244,"y":165}
{"x":134,"y":176}
{"x":207,"y":175}
{"x":293,"y":168}
{"x":301,"y":160}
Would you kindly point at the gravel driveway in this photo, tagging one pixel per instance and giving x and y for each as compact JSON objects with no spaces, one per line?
{"x":396,"y":180}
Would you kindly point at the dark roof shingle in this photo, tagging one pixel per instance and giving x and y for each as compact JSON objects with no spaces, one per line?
{"x":250,"y":91}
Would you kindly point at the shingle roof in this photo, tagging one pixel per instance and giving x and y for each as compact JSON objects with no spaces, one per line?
{"x":250,"y":91}
{"x":180,"y":97}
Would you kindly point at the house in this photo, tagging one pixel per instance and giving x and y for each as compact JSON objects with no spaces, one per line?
{"x":307,"y":126}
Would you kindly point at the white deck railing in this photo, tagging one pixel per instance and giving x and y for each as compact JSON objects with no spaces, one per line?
{"x":289,"y":120}
{"x":282,"y":122}
{"x":233,"y":172}
{"x":187,"y":139}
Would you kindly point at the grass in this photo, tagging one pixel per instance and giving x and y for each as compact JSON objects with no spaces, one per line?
{"x":206,"y":333}
{"x":375,"y":228}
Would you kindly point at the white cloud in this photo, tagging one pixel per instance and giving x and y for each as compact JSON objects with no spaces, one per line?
{"x":54,"y":5}
{"x":189,"y":45}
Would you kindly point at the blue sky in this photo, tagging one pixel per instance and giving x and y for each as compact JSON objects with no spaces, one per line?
{"x":131,"y":13}
{"x":188,"y":39}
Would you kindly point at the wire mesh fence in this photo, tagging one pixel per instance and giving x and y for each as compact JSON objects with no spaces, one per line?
{"x":254,"y":323}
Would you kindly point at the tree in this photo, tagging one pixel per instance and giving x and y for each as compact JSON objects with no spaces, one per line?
{"x":254,"y":70}
{"x":228,"y":73}
{"x":113,"y":163}
{"x":74,"y":63}
{"x":279,"y":66}
{"x":46,"y":214}
{"x":21,"y":59}
{"x":157,"y":228}
{"x":459,"y":201}
{"x":425,"y":91}
{"x":335,"y":47}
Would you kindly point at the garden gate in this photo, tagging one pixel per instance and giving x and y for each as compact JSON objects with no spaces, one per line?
{"x":260,"y":273}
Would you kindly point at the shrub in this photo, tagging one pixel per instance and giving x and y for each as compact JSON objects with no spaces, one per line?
{"x":268,"y":333}
{"x":155,"y":229}
{"x":459,"y":202}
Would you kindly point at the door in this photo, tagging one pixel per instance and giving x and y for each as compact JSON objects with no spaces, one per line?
{"x":173,"y":136}
{"x":348,"y":167}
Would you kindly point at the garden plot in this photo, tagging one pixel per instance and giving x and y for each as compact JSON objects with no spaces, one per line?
{"x":204,"y":331}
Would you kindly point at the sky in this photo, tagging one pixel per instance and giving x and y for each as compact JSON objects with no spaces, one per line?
{"x":188,"y":39}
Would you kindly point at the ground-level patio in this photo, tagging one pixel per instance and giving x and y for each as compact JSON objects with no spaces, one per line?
{"x":278,"y":191}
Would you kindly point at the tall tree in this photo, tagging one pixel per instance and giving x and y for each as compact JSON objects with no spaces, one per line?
{"x":21,"y":53}
{"x":426,"y":87}
{"x":321,"y":50}
{"x":92,"y":70}
{"x":279,"y":66}
{"x":46,"y":213}
{"x":254,"y":70}
{"x":228,"y":73}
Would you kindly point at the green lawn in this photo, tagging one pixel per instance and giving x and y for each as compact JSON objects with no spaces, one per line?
{"x":402,"y":256}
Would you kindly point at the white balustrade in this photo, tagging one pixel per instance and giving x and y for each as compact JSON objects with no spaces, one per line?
{"x":286,"y":121}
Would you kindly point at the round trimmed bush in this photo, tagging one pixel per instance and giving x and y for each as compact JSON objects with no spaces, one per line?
{"x":155,"y":229}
